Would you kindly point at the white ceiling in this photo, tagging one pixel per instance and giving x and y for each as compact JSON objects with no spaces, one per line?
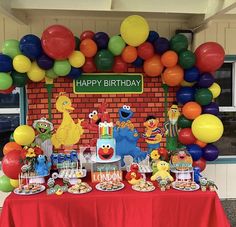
{"x":196,"y":12}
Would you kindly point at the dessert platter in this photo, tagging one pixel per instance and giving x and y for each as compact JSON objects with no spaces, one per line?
{"x":109,"y":186}
{"x":72,"y":173}
{"x":144,"y":186}
{"x":80,"y":188}
{"x":29,"y":189}
{"x":185,"y":185}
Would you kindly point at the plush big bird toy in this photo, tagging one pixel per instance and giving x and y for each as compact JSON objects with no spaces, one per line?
{"x":69,"y":132}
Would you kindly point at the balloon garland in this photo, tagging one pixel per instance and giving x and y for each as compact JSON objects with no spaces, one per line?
{"x":61,"y":54}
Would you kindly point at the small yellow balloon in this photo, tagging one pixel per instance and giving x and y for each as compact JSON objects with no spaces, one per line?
{"x":215,"y":90}
{"x":24,"y":135}
{"x":14,"y":183}
{"x":134,"y":30}
{"x":35,"y":73}
{"x":187,"y":84}
{"x":21,"y":63}
{"x":77,"y":59}
{"x":207,"y":128}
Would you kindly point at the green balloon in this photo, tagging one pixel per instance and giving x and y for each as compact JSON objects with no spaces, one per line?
{"x":5,"y":81}
{"x":61,"y":68}
{"x":77,"y":43}
{"x":5,"y":185}
{"x":179,"y":43}
{"x":116,"y":45}
{"x":187,"y":59}
{"x":104,"y":60}
{"x":203,"y":96}
{"x":19,"y":79}
{"x":11,"y":139}
{"x":11,"y":48}
{"x":183,"y":122}
{"x":51,"y":74}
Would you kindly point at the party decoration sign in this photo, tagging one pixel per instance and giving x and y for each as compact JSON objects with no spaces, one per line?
{"x":109,"y":83}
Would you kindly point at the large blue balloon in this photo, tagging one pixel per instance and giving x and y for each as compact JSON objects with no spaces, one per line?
{"x":101,"y":39}
{"x":210,"y":152}
{"x":192,"y":74}
{"x":185,"y":94}
{"x":206,"y":80}
{"x":5,"y":63}
{"x":30,"y":46}
{"x":45,"y":62}
{"x":75,"y":73}
{"x":138,"y":62}
{"x":161,"y":45}
{"x":195,"y":151}
{"x":152,"y":36}
{"x":212,"y":108}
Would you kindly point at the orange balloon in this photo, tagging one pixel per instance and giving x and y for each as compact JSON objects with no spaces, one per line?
{"x":88,"y":47}
{"x":200,"y":143}
{"x":129,"y":54}
{"x":173,"y":76}
{"x":11,"y":146}
{"x":169,"y":58}
{"x":191,"y":110}
{"x":153,"y":66}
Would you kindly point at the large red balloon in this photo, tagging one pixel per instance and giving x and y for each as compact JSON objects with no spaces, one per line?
{"x":119,"y":65}
{"x":186,"y":136}
{"x":89,"y":66}
{"x":201,"y":163}
{"x":11,"y":164}
{"x":209,"y":56}
{"x":58,"y":42}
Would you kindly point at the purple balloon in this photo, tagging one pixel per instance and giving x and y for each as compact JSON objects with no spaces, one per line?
{"x":161,"y":45}
{"x":212,"y":108}
{"x":101,"y":39}
{"x":206,"y":80}
{"x":185,"y":94}
{"x":195,"y":151}
{"x":45,"y":62}
{"x":210,"y":152}
{"x":75,"y":73}
{"x":192,"y":74}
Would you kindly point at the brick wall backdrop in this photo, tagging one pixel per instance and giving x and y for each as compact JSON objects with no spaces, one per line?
{"x":151,"y":102}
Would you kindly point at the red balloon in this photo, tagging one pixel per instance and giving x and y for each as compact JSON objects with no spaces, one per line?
{"x":89,"y":66}
{"x":11,"y":164}
{"x":186,"y":136}
{"x":209,"y":56}
{"x":201,"y":163}
{"x":119,"y":65}
{"x":87,"y":35}
{"x":7,"y":91}
{"x":145,"y":50}
{"x":58,"y":42}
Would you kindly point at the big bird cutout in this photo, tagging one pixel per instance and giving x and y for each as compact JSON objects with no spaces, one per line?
{"x":68,"y":133}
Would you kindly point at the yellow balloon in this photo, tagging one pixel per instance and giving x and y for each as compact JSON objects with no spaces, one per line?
{"x":14,"y":183}
{"x":35,"y":73}
{"x":77,"y":59}
{"x":207,"y":128}
{"x":24,"y":135}
{"x":21,"y":63}
{"x":215,"y":90}
{"x":187,"y":84}
{"x":134,"y":30}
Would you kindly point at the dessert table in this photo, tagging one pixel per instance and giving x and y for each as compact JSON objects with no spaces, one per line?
{"x":124,"y":208}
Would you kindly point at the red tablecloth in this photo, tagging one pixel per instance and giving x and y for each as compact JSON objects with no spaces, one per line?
{"x":124,"y":208}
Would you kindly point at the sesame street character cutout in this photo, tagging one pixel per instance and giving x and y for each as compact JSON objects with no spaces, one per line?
{"x":153,"y":134}
{"x":133,"y":176}
{"x":163,"y":172}
{"x":69,"y":132}
{"x":105,"y":152}
{"x":43,"y":139}
{"x":127,"y":136}
{"x":171,"y":128}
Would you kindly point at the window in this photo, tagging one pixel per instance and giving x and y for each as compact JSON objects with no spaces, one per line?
{"x":226,"y":78}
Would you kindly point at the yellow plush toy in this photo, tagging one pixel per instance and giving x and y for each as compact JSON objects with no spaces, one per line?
{"x":163,"y":172}
{"x":69,"y":132}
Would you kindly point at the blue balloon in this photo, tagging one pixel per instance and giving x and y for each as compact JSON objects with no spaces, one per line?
{"x":153,"y":35}
{"x":210,"y":152}
{"x":45,"y":62}
{"x":161,"y":45}
{"x":138,"y":62}
{"x":206,"y":80}
{"x":5,"y":63}
{"x":75,"y":73}
{"x":101,"y":39}
{"x":195,"y":151}
{"x":192,"y":74}
{"x":185,"y":94}
{"x":30,"y":46}
{"x":212,"y":108}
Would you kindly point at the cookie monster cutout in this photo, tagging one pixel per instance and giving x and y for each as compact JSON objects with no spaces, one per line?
{"x":127,"y":136}
{"x":42,"y":167}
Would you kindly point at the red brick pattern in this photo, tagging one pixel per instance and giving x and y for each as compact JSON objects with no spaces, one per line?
{"x":151,"y":102}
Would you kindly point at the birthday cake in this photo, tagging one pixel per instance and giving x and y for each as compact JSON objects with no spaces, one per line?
{"x":106,"y":144}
